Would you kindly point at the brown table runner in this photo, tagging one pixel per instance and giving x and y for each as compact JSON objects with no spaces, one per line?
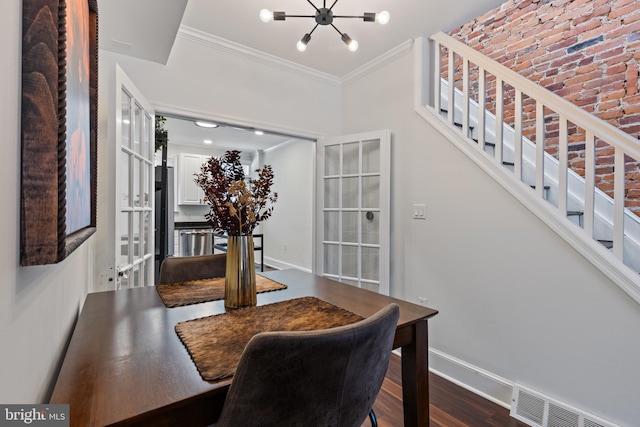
{"x":215,"y":343}
{"x":204,"y":290}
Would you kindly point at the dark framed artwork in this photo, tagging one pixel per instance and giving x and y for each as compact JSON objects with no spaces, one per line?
{"x":59,"y":128}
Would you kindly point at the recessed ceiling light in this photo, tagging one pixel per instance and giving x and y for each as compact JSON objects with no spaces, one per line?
{"x":208,"y":141}
{"x":258,"y":132}
{"x":203,"y":124}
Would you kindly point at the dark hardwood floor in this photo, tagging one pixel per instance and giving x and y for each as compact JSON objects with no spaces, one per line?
{"x":450,"y":405}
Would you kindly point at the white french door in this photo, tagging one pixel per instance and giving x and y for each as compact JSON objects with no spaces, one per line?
{"x":135,"y":192}
{"x":353,"y":207}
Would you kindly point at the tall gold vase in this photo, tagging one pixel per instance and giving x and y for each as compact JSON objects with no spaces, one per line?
{"x":240,"y":275}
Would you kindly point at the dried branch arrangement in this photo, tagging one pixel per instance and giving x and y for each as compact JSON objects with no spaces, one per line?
{"x":237,"y":203}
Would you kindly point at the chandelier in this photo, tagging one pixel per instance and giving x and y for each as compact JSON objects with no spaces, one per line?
{"x":325,"y":16}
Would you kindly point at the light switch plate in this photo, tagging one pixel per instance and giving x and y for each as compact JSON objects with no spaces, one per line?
{"x":420,"y":211}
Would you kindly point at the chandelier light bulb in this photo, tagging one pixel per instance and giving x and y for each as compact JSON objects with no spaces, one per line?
{"x":383,"y":17}
{"x":351,"y":43}
{"x":302,"y":43}
{"x":266,"y":15}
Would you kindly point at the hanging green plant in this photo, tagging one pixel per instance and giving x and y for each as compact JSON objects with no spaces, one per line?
{"x":162,"y":135}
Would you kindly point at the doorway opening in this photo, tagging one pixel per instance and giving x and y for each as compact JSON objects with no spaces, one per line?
{"x":286,"y":238}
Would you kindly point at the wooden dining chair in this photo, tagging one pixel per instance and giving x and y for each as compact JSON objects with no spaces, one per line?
{"x":183,"y":269}
{"x":316,"y":378}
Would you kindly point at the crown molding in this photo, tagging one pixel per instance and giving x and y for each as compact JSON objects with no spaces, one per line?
{"x":379,"y":62}
{"x":214,"y":42}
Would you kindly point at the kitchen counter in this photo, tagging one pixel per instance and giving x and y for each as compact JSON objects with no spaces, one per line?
{"x":191,"y":224}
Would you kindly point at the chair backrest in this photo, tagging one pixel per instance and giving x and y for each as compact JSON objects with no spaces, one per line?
{"x":318,"y":378}
{"x":182,"y":269}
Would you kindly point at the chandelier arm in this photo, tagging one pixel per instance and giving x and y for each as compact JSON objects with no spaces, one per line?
{"x":314,"y":6}
{"x":348,"y":16}
{"x":334,"y":27}
{"x":314,"y":28}
{"x":299,"y":16}
{"x":334,"y":3}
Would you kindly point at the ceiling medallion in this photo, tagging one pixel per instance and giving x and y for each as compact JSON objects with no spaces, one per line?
{"x":325,"y":16}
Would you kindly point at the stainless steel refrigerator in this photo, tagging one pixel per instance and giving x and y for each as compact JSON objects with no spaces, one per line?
{"x":164,"y":219}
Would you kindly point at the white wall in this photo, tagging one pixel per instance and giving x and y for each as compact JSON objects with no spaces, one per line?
{"x":514,"y":298}
{"x":288,"y":233}
{"x":38,"y":305}
{"x":218,"y":84}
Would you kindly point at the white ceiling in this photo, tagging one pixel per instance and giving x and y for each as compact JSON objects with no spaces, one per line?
{"x":147,"y":29}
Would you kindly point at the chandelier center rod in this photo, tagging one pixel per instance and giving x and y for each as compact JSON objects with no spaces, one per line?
{"x":324,"y":16}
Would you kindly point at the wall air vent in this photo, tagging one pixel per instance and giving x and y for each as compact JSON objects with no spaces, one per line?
{"x":528,"y":407}
{"x":538,"y":410}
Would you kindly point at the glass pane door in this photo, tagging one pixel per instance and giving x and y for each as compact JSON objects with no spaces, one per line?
{"x":353,"y":218}
{"x":135,"y":165}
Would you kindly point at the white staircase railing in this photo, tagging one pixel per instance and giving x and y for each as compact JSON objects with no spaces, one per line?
{"x":603,"y":204}
{"x":571,"y":204}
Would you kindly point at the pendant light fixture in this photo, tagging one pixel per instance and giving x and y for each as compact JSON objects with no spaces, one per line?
{"x":325,"y":16}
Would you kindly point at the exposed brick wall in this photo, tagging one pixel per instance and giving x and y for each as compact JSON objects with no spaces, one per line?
{"x":586,"y":51}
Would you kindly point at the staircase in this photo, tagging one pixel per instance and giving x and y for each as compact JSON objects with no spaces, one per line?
{"x":597,"y":225}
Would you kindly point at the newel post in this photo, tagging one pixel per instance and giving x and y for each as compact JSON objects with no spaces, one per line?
{"x":422,"y":71}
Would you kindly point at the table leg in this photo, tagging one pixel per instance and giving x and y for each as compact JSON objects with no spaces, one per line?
{"x":262,"y":253}
{"x":415,"y":378}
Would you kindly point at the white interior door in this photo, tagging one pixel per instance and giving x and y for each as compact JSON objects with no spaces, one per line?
{"x":135,"y":192}
{"x":352,"y":216}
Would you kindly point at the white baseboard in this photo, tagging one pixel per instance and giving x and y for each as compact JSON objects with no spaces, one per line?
{"x":281,"y":265}
{"x":477,"y":380}
{"x":483,"y":383}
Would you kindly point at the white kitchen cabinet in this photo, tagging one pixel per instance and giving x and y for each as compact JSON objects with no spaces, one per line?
{"x":189,"y":193}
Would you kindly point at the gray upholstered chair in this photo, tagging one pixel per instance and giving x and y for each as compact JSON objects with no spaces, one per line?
{"x":318,"y":378}
{"x":182,"y":269}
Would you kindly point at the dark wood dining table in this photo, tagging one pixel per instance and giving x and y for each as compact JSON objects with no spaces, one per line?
{"x":126,"y":366}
